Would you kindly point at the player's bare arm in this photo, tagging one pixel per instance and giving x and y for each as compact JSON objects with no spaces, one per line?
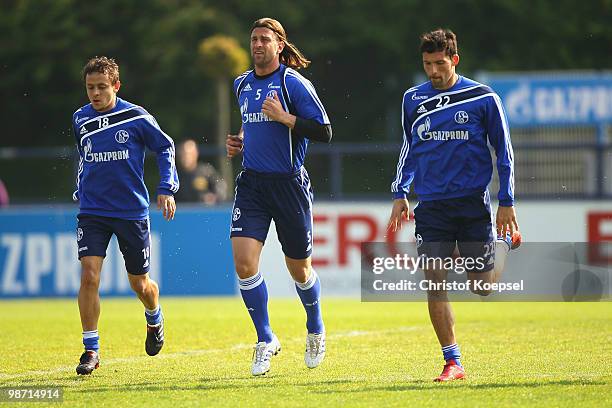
{"x":399,"y":212}
{"x":234,"y":144}
{"x":506,"y":220}
{"x":273,"y":109}
{"x":167,"y":205}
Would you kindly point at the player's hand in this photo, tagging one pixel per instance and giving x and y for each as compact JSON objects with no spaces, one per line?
{"x":506,"y":220}
{"x":167,"y":205}
{"x":273,"y":109}
{"x":399,"y":212}
{"x":233,"y":145}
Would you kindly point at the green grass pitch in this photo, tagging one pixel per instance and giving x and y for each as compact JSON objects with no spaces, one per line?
{"x":378,"y":354}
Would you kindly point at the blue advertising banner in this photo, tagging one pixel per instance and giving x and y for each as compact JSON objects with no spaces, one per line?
{"x":554,"y":98}
{"x":190,"y":255}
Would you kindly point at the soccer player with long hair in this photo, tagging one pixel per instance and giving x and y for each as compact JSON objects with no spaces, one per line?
{"x":280,"y":113}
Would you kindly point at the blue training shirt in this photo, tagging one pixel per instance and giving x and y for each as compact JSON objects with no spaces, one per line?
{"x":110,"y":177}
{"x":269,"y":146}
{"x":445,"y":151}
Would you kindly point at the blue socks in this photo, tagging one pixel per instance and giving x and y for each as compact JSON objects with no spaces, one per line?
{"x":310,"y":294}
{"x":452,"y":352}
{"x":154,"y":317}
{"x":255,"y":296}
{"x":91,"y":340}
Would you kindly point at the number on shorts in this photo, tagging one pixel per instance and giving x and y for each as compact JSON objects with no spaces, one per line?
{"x":146,"y":252}
{"x":489,"y":249}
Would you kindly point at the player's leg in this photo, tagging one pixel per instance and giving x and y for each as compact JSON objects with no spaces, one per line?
{"x":134,"y":238}
{"x":503,"y":245}
{"x":435,"y":232}
{"x":443,"y":321}
{"x":147,"y":291}
{"x":292,"y":212}
{"x":440,"y":310}
{"x":89,"y":297}
{"x":89,"y":309}
{"x":308,"y":287}
{"x":246,"y":252}
{"x":254,"y":292}
{"x":479,"y":242}
{"x":93,"y":236}
{"x":249,"y":228}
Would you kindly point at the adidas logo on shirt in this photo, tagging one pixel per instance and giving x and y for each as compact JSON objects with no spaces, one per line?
{"x":422,"y":109}
{"x":247,"y":88}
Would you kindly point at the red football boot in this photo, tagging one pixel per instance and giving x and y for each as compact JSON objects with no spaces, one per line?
{"x":451,"y":371}
{"x":516,"y":240}
{"x":513,"y":241}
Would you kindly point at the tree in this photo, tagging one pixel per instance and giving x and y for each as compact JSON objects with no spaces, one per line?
{"x":222,"y":59}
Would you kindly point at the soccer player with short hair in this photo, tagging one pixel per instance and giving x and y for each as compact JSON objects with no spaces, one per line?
{"x":280,"y":113}
{"x":448,"y":123}
{"x":111,"y":136}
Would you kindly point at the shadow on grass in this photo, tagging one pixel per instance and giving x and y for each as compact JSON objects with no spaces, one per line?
{"x":207,"y":384}
{"x":319,"y":387}
{"x":422,"y":385}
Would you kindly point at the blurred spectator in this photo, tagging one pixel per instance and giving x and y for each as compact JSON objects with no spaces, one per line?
{"x":4,"y":196}
{"x":200,"y":182}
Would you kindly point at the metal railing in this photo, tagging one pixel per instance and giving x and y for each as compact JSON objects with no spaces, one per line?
{"x":543,"y":170}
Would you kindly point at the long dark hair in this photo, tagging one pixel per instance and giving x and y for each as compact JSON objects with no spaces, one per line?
{"x":291,"y":56}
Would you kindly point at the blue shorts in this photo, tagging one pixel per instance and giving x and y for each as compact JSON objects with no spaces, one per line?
{"x":94,"y":233}
{"x":286,"y":199}
{"x":465,"y":222}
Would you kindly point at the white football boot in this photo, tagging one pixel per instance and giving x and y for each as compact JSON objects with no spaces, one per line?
{"x":262,"y":354}
{"x":315,"y":349}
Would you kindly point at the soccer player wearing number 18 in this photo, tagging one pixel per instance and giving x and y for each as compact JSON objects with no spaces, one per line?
{"x":448,"y":122}
{"x":280,"y":113}
{"x":112,"y":136}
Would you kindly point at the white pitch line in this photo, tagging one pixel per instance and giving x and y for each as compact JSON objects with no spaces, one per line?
{"x":119,"y":360}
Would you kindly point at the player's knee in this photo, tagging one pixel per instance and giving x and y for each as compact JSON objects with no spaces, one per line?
{"x":244,"y":268}
{"x":300,"y":275}
{"x":479,"y":290}
{"x":437,"y":295}
{"x":90,"y":278}
{"x":480,"y":286}
{"x":299,"y":269}
{"x":482,"y":292}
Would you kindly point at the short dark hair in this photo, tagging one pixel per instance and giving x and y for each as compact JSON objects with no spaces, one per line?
{"x":438,"y":40}
{"x":102,"y":65}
